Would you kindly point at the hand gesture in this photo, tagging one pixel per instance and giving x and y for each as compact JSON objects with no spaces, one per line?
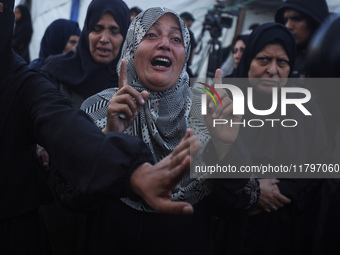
{"x":155,"y":183}
{"x":125,"y":105}
{"x":271,"y":198}
{"x":223,"y":135}
{"x":43,"y":157}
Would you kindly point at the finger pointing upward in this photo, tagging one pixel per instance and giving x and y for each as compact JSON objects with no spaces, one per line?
{"x":123,"y":74}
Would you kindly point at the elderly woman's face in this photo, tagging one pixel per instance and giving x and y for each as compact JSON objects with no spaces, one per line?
{"x":105,"y":40}
{"x":160,"y":56}
{"x":269,"y":68}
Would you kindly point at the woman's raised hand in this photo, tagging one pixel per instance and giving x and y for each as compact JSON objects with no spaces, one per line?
{"x":154,"y":183}
{"x":125,"y":105}
{"x":222,"y":132}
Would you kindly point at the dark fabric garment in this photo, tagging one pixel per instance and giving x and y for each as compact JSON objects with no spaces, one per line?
{"x":324,"y":54}
{"x":34,"y":112}
{"x":280,"y":232}
{"x":6,"y":35}
{"x":268,"y":33}
{"x":193,"y":42}
{"x":323,"y":61}
{"x":291,"y":229}
{"x":193,"y":45}
{"x":300,"y":69}
{"x":78,"y":76}
{"x":55,"y":39}
{"x":23,"y":33}
{"x":78,"y":72}
{"x":21,"y":234}
{"x":244,"y":38}
{"x":116,"y":228}
{"x":329,"y":235}
{"x":230,"y":197}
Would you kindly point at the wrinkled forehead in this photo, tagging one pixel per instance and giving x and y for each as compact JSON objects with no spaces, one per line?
{"x":170,"y":18}
{"x":145,"y":20}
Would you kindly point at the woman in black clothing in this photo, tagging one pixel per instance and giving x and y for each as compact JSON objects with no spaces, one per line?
{"x":60,"y":36}
{"x":285,"y":213}
{"x":92,"y":68}
{"x":238,"y":47}
{"x":22,"y":32}
{"x":33,"y":111}
{"x":79,"y":75}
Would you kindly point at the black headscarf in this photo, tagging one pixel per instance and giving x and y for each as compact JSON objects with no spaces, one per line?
{"x":268,"y":33}
{"x":78,"y":71}
{"x":55,"y":39}
{"x":263,"y":35}
{"x":243,"y":38}
{"x":23,"y":33}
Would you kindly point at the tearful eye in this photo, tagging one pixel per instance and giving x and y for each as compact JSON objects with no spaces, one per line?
{"x":161,"y":62}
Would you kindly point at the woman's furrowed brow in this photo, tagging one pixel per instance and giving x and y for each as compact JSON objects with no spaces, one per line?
{"x":158,"y":25}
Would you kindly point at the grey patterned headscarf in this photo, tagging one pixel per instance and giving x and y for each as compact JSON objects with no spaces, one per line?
{"x":163,"y":119}
{"x":166,"y":115}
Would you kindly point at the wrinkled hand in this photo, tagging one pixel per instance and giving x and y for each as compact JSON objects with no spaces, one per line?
{"x":155,"y":183}
{"x":223,"y":135}
{"x":43,"y":157}
{"x":125,"y":105}
{"x":270,"y":198}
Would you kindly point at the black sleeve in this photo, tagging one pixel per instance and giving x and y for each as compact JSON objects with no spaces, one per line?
{"x":94,"y":163}
{"x":231,"y":196}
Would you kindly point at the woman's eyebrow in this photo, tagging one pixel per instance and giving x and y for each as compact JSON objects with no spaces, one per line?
{"x":158,"y":25}
{"x":176,"y":28}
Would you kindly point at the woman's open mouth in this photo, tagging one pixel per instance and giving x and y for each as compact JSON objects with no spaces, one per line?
{"x":161,"y":62}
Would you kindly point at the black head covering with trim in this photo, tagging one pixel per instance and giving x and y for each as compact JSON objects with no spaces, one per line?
{"x":268,"y":33}
{"x":79,"y":71}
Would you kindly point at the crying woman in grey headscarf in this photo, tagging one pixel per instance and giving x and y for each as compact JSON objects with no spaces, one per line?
{"x":155,"y":103}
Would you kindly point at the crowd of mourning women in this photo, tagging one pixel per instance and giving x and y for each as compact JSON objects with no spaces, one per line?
{"x":97,"y":134}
